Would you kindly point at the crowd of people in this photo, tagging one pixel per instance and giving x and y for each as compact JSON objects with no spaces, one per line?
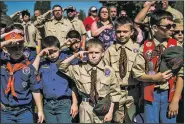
{"x":107,"y":68}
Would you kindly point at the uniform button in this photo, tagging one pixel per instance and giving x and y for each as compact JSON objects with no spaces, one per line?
{"x":53,"y":79}
{"x":53,"y":89}
{"x":11,"y":101}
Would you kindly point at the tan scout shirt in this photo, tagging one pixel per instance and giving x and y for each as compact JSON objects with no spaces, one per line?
{"x":78,"y":25}
{"x":55,"y":28}
{"x":139,"y":66}
{"x":106,"y":80}
{"x":34,"y":35}
{"x":112,"y":56}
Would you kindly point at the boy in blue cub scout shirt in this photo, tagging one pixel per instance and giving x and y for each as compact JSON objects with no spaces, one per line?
{"x":56,"y":86}
{"x":18,"y":84}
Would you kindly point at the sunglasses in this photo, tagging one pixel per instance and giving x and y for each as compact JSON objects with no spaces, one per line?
{"x":178,"y":31}
{"x":94,"y":11}
{"x":169,"y":26}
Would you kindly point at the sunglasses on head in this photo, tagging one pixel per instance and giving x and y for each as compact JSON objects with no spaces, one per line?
{"x":169,"y":26}
{"x":178,"y":31}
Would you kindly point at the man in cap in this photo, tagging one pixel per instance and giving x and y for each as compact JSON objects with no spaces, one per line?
{"x":76,"y":24}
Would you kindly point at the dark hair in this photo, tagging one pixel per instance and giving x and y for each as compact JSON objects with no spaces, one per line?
{"x":57,"y":6}
{"x":73,"y":34}
{"x":50,"y":41}
{"x":122,"y":21}
{"x":14,"y":26}
{"x":99,"y":12}
{"x":94,"y":42}
{"x":25,"y":12}
{"x":158,"y":15}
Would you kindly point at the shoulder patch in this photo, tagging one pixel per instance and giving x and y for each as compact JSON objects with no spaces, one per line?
{"x":135,"y":50}
{"x":26,"y":70}
{"x":107,"y":72}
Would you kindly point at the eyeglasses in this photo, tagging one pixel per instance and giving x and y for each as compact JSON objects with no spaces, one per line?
{"x":104,"y":12}
{"x":119,"y":31}
{"x":169,"y":26}
{"x":178,"y":31}
{"x":94,"y":11}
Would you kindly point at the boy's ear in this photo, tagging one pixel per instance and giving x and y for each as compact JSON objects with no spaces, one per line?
{"x":154,"y":27}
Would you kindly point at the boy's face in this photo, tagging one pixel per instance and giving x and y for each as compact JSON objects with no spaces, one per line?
{"x":54,"y":53}
{"x":123,"y":33}
{"x":75,"y":46}
{"x":15,"y":51}
{"x":165,"y":29}
{"x":179,"y":33}
{"x":95,"y":54}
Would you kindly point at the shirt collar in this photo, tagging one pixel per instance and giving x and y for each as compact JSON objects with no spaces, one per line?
{"x":28,"y":23}
{"x":128,"y":45}
{"x":101,"y":66}
{"x":60,"y":21}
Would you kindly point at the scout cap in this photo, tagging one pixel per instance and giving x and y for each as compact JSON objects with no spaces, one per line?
{"x":172,"y":58}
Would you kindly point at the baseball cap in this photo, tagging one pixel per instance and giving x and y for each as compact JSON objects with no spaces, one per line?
{"x":93,"y":8}
{"x":70,"y":8}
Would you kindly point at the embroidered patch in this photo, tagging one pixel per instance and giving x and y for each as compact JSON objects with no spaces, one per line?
{"x":107,"y":72}
{"x":149,"y":44}
{"x":24,"y":84}
{"x":26,"y":70}
{"x":148,"y":54}
{"x":27,"y":53}
{"x":135,"y":50}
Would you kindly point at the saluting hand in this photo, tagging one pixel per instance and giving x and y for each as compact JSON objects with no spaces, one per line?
{"x":81,"y":54}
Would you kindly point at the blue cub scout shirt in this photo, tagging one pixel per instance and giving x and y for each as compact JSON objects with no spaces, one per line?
{"x":55,"y":84}
{"x":25,"y":82}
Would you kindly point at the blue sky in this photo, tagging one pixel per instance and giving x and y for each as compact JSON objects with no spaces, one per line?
{"x":14,"y":6}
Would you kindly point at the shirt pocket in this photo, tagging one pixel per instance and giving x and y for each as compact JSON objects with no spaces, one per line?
{"x":131,"y":60}
{"x":52,"y":31}
{"x":84,"y":83}
{"x":105,"y":87}
{"x":115,"y":62}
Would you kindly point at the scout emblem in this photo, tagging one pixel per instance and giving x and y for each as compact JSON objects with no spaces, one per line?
{"x":149,"y":44}
{"x":27,"y":53}
{"x":107,"y":72}
{"x":26,"y":70}
{"x":24,"y":84}
{"x":135,"y":50}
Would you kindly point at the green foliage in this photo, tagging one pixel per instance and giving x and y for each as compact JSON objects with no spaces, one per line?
{"x":3,"y":7}
{"x":82,"y":15}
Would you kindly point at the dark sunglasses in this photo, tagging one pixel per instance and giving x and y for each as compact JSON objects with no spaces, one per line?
{"x":178,"y":31}
{"x":94,"y":11}
{"x":169,"y":26}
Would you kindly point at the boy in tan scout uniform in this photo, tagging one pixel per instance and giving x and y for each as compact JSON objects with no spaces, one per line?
{"x":121,"y":56}
{"x":178,"y":32}
{"x":58,"y":26}
{"x":94,"y":80}
{"x":157,"y":101}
